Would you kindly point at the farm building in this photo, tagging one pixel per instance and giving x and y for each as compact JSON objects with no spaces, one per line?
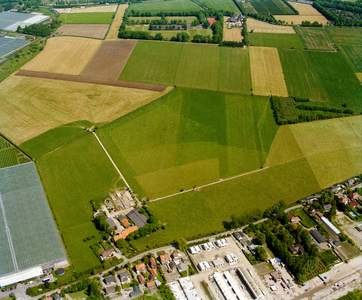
{"x":137,"y":218}
{"x":317,"y":236}
{"x":124,"y":233}
{"x":235,"y":21}
{"x":330,"y":225}
{"x":204,"y":266}
{"x":9,"y":21}
{"x":232,"y":259}
{"x":111,"y":224}
{"x":24,"y":256}
{"x":218,"y":262}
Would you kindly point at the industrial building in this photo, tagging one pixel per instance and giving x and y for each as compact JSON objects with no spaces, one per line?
{"x":184,"y":289}
{"x":137,"y":218}
{"x":249,"y":281}
{"x":317,"y":236}
{"x":228,"y":286}
{"x":330,"y":226}
{"x":221,"y":243}
{"x":195,"y":249}
{"x":232,"y":259}
{"x":218,"y":262}
{"x":208,"y":246}
{"x":204,"y":266}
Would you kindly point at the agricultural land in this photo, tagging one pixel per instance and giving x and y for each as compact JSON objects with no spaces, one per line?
{"x":92,"y":9}
{"x":86,"y":18}
{"x":97,"y":31}
{"x":232,"y":34}
{"x":9,"y":155}
{"x":165,"y":6}
{"x":117,"y":21}
{"x":278,"y":40}
{"x":315,"y":38}
{"x":274,"y":7}
{"x":263,"y":27}
{"x":227,"y":5}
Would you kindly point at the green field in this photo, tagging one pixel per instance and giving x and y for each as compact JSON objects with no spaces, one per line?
{"x":353,"y":55}
{"x":165,"y":6}
{"x":346,"y":35}
{"x":170,"y":64}
{"x":276,"y":40}
{"x":306,"y":220}
{"x":248,"y":7}
{"x":203,"y":212}
{"x":321,"y":76}
{"x":54,"y":138}
{"x":9,"y":155}
{"x":86,"y":18}
{"x":170,"y":145}
{"x":168,"y":34}
{"x":234,"y":71}
{"x":187,"y":19}
{"x":274,"y":7}
{"x":73,"y":176}
{"x":315,"y":38}
{"x":221,"y":5}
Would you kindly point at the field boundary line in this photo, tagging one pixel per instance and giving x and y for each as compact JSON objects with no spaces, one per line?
{"x":114,"y":165}
{"x":209,"y":184}
{"x":10,"y":241}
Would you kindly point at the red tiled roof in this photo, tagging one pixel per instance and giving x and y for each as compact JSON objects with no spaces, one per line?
{"x":141,"y":266}
{"x":353,"y":203}
{"x":123,"y":234}
{"x":165,"y":257}
{"x":125,"y":223}
{"x":153,"y":272}
{"x":141,"y":279}
{"x":319,"y":214}
{"x":151,"y":283}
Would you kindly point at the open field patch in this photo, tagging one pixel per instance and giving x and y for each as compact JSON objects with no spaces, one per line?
{"x":359,"y":76}
{"x":93,"y":9}
{"x":198,"y":72}
{"x":117,"y":21}
{"x":234,"y":71}
{"x":353,"y":55}
{"x":346,"y":35}
{"x":165,"y":6}
{"x":305,"y":9}
{"x":97,"y":31}
{"x":203,"y":212}
{"x":315,"y":38}
{"x":87,"y":18}
{"x":221,"y":5}
{"x":170,"y":145}
{"x":248,"y":8}
{"x":263,"y":27}
{"x":66,"y":55}
{"x":109,"y":60}
{"x":274,"y":7}
{"x":232,"y":34}
{"x":267,"y":75}
{"x":298,"y":19}
{"x":73,"y":176}
{"x":277,"y":40}
{"x":54,"y":103}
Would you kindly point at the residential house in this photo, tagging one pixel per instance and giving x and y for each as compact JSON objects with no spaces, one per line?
{"x":124,"y":277}
{"x":110,"y":289}
{"x":344,"y":199}
{"x":124,"y":233}
{"x":296,"y":249}
{"x":327,"y":207}
{"x":154,"y":273}
{"x":153,"y":263}
{"x":107,"y":253}
{"x":125,"y":223}
{"x":176,"y":254}
{"x":150,"y":283}
{"x":355,"y":196}
{"x":135,"y":292}
{"x":111,"y":224}
{"x":349,"y":182}
{"x":109,"y":280}
{"x":141,"y":279}
{"x":172,"y":265}
{"x":353,"y":203}
{"x":56,"y":297}
{"x":165,"y":258}
{"x":140,"y":268}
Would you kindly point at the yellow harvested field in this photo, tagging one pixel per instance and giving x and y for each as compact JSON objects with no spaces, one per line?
{"x":267,"y":75}
{"x":359,"y":76}
{"x":97,"y":31}
{"x":297,"y":20}
{"x":93,"y":9}
{"x":263,"y":27}
{"x":117,"y":21}
{"x":306,"y":13}
{"x":64,"y":55}
{"x":305,"y":9}
{"x":232,"y":34}
{"x":31,"y":106}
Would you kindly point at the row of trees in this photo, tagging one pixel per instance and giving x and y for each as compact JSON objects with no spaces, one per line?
{"x":42,"y":30}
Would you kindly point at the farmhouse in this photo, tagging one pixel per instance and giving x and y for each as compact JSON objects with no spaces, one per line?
{"x":137,"y":218}
{"x":235,"y":21}
{"x":124,"y":233}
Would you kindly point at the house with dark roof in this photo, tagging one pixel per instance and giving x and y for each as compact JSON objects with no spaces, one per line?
{"x":296,"y":249}
{"x":311,"y":209}
{"x":111,"y":224}
{"x":107,"y":253}
{"x":317,"y":236}
{"x":109,"y":280}
{"x":124,"y":277}
{"x":137,"y":218}
{"x":56,"y":297}
{"x":110,"y":289}
{"x":135,"y":293}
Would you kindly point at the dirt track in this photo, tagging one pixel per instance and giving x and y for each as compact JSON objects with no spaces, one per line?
{"x":109,"y":60}
{"x":74,"y":78}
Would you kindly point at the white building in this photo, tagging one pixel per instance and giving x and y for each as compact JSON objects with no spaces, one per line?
{"x":249,"y":281}
{"x":189,"y":288}
{"x":232,"y":259}
{"x":195,"y":249}
{"x":330,"y":226}
{"x":177,"y":291}
{"x":219,"y":262}
{"x":234,"y":286}
{"x":204,"y":266}
{"x":208,"y":246}
{"x":221,"y":243}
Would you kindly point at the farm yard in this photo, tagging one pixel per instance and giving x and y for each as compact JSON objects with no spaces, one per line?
{"x":267,"y":75}
{"x":232,"y":34}
{"x":86,"y":18}
{"x":55,"y":103}
{"x":117,"y":21}
{"x":165,"y":6}
{"x":97,"y":31}
{"x":109,"y":60}
{"x":170,"y":138}
{"x":73,"y":53}
{"x":263,"y":27}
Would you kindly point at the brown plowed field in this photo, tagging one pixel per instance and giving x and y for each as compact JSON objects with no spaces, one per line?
{"x":109,"y":60}
{"x":73,"y":78}
{"x":97,"y":31}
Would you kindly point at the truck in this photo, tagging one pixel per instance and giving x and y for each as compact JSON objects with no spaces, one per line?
{"x":321,"y":277}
